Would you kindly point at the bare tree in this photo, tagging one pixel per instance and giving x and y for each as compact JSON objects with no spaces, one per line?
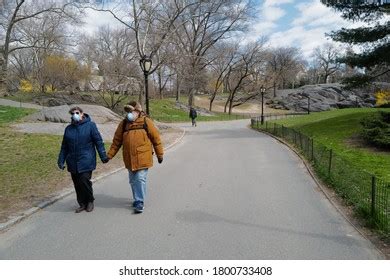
{"x":152,"y":23}
{"x":165,"y":72}
{"x":243,"y":72}
{"x":326,"y":58}
{"x":47,"y":36}
{"x":201,"y":27}
{"x":13,"y":13}
{"x":283,"y":65}
{"x":225,"y":56}
{"x":114,"y":53}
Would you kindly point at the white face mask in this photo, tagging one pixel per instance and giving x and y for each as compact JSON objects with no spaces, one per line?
{"x":76,"y":117}
{"x":130,"y":117}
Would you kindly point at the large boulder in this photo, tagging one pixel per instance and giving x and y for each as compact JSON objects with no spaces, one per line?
{"x":322,"y":97}
{"x":60,"y":114}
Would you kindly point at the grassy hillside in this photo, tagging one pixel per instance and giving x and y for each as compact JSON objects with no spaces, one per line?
{"x":343,"y":160}
{"x":339,"y":130}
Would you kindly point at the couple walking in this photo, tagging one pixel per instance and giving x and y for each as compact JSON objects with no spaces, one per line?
{"x":136,"y":134}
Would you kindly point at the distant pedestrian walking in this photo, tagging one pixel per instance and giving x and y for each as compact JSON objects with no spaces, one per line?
{"x":137,"y":134}
{"x":80,"y":142}
{"x":193,"y":115}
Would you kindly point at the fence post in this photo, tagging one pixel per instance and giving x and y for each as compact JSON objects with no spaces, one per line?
{"x":266,"y":126}
{"x":300,"y":140}
{"x":282,"y":131}
{"x":295,"y":137}
{"x":257,"y":123}
{"x":330,"y":161}
{"x":312,"y":149}
{"x":373,"y":195}
{"x":274,"y":128}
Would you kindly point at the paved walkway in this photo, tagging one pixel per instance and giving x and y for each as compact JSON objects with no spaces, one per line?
{"x":11,"y":103}
{"x":224,"y":192}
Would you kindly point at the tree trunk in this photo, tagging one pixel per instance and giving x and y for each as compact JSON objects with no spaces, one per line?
{"x":160,"y":85}
{"x":177,"y":88}
{"x":211,"y":103}
{"x":191,"y":97}
{"x":230,"y":106}
{"x":274,"y":88}
{"x":227,"y":102}
{"x":326,"y":78}
{"x":3,"y":73}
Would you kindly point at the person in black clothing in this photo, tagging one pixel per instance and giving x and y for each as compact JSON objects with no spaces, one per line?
{"x":80,"y":140}
{"x":193,"y":115}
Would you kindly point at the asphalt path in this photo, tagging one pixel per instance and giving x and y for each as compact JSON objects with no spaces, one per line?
{"x":223,"y":192}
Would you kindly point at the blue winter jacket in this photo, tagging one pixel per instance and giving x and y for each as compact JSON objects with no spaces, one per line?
{"x":78,"y":146}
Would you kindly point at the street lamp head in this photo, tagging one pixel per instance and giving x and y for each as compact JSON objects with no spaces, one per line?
{"x":146,"y":64}
{"x":262,"y":89}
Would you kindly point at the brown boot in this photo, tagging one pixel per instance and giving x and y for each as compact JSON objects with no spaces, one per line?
{"x":89,"y":207}
{"x":80,"y":209}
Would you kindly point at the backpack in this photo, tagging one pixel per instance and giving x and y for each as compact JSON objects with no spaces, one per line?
{"x":144,"y":126}
{"x":193,"y":113}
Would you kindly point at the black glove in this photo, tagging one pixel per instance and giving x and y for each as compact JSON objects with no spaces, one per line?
{"x":105,"y":160}
{"x":61,"y":166}
{"x":160,"y":160}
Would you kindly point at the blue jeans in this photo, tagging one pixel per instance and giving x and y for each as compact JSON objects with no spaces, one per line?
{"x":137,"y":180}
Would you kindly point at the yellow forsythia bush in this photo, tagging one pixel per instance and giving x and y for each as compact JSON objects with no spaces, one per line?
{"x":26,"y":86}
{"x":382,"y":97}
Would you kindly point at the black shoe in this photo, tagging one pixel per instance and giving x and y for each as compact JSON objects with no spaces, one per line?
{"x":80,"y":209}
{"x":138,"y":207}
{"x":89,"y":207}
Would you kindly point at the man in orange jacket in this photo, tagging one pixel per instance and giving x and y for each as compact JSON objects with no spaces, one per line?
{"x":137,"y":134}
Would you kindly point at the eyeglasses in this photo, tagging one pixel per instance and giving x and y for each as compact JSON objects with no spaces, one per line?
{"x":77,"y":113}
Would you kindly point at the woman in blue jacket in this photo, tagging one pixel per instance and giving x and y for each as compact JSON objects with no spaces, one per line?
{"x":81,"y":138}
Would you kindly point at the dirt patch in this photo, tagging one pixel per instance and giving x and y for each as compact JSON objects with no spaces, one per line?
{"x":357,"y":142}
{"x":247,"y":108}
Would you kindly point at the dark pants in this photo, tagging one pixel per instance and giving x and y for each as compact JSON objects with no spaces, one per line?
{"x":83,"y":186}
{"x":193,"y":121}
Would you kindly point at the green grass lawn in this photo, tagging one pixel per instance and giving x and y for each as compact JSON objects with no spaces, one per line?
{"x":338,"y":130}
{"x":165,"y":111}
{"x":24,"y":163}
{"x":28,"y":164}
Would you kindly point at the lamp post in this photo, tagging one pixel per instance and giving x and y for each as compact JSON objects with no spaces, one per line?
{"x":146,"y":65}
{"x":262,"y":91}
{"x":308,"y":105}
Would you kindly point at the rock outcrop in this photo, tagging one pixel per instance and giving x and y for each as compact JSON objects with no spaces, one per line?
{"x":322,"y":97}
{"x":60,"y":114}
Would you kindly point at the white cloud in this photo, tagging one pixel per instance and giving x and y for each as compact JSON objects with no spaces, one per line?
{"x":315,"y":13}
{"x":95,"y":19}
{"x":266,"y":22}
{"x":269,"y":3}
{"x":307,"y":30}
{"x":273,"y":13}
{"x":299,"y":36}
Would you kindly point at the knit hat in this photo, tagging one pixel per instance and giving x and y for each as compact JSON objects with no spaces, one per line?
{"x":133,"y":105}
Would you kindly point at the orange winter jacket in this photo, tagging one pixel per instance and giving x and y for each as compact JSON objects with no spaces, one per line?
{"x":137,"y":141}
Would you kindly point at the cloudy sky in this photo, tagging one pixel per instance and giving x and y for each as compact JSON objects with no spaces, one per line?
{"x":296,"y":23}
{"x":299,"y":23}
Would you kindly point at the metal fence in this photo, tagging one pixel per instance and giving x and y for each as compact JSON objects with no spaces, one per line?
{"x":368,"y":194}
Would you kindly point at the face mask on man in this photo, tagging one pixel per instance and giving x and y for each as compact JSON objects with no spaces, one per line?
{"x":76,"y":117}
{"x":132,"y":116}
